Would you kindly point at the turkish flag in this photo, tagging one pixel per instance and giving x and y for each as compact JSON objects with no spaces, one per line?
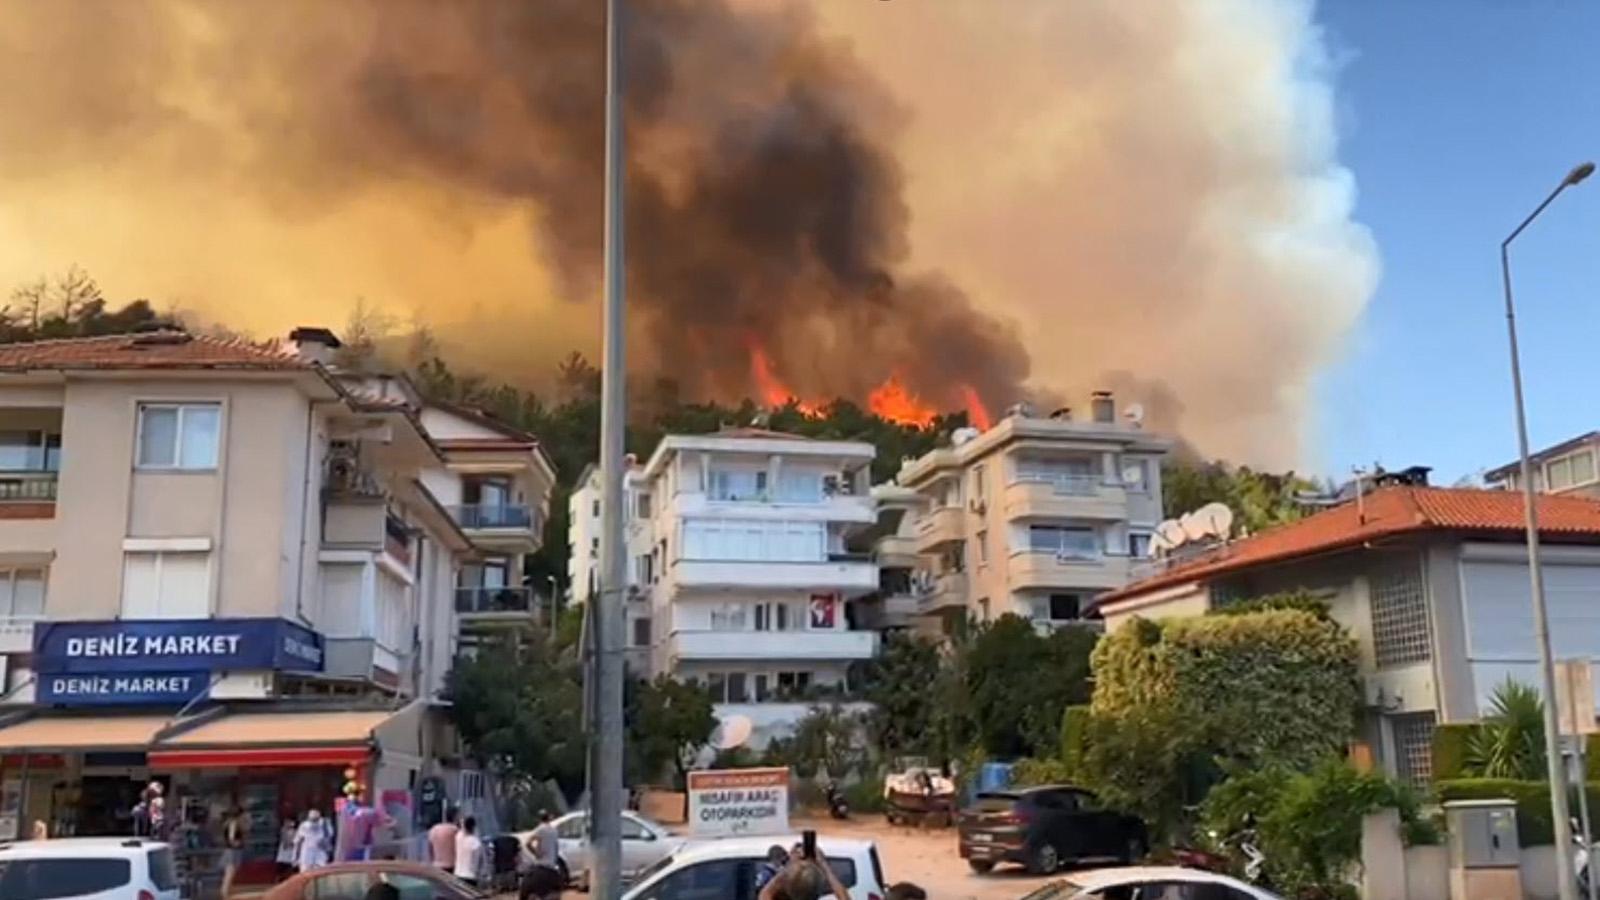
{"x":823,"y":608}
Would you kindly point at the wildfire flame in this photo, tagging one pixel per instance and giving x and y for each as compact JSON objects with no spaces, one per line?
{"x":977,"y":413}
{"x":892,"y":401}
{"x":774,"y":392}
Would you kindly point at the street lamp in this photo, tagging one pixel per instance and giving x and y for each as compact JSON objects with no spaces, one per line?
{"x":1552,"y":741}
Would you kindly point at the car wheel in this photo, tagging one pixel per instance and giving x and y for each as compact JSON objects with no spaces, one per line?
{"x":981,"y":866}
{"x":1044,"y":859}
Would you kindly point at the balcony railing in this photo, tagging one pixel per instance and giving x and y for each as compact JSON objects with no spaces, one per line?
{"x":493,"y":515}
{"x":28,"y":486}
{"x":1073,"y":484}
{"x":494,"y":599}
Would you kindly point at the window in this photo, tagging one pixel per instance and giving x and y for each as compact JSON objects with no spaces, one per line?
{"x":1065,"y":607}
{"x":1136,"y":475}
{"x":166,"y":585}
{"x":338,"y":886}
{"x":1583,"y":467}
{"x":50,"y":877}
{"x":21,"y":593}
{"x":977,"y":482}
{"x":1068,"y":543}
{"x":595,"y":510}
{"x":754,"y":540}
{"x":573,"y":827}
{"x":641,"y":632}
{"x":1139,"y":544}
{"x":179,"y":435}
{"x":729,"y":617}
{"x":29,"y":451}
{"x":633,"y":831}
{"x":983,"y":548}
{"x":1400,"y":632}
{"x":642,"y":506}
{"x":763,"y":689}
{"x":710,"y":880}
{"x":738,"y":484}
{"x":794,"y":681}
{"x":1558,"y":473}
{"x":486,"y":492}
{"x":417,"y":887}
{"x":776,"y":616}
{"x":1413,"y":746}
{"x":800,"y":486}
{"x":736,"y":688}
{"x":163,"y":874}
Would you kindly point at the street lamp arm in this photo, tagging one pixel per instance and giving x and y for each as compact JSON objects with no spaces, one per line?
{"x":1535,"y":214}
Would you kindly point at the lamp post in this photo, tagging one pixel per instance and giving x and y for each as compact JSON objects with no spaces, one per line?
{"x":1565,"y":881}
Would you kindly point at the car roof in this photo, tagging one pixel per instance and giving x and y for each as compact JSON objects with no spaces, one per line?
{"x":77,"y":846}
{"x":1096,"y":879}
{"x":730,"y":847}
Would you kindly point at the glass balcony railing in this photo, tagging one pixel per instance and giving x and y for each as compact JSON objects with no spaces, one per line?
{"x":493,"y":515}
{"x":495,"y":599}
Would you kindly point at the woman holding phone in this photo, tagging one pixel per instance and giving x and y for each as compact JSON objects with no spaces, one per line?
{"x":806,"y":877}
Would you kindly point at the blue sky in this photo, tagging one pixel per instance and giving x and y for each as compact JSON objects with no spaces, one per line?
{"x":1457,"y":118}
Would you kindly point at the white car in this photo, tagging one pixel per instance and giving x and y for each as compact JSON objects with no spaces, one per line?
{"x":1149,"y":883}
{"x":644,"y":843}
{"x":725,"y":869}
{"x":88,"y":869}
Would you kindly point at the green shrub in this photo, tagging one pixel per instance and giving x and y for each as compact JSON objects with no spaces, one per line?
{"x":1450,"y":749}
{"x":1534,"y":825}
{"x":1074,"y":737}
{"x":1301,"y":601}
{"x":1029,"y":772}
{"x":865,"y":796}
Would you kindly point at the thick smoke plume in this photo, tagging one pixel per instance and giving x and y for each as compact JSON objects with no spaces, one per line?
{"x":835,"y":186}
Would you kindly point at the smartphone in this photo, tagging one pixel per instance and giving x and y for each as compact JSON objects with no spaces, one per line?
{"x":808,"y":841}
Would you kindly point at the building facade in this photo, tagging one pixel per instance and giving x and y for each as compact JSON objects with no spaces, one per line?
{"x":234,"y":569}
{"x":1433,"y":583}
{"x":1566,"y":468}
{"x":739,"y":572}
{"x":1033,"y":517}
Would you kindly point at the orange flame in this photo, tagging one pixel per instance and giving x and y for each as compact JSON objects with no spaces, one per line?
{"x":977,"y":413}
{"x":774,"y":392}
{"x":892,"y":401}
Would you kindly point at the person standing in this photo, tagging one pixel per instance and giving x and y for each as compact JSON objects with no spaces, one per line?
{"x":544,"y":845}
{"x":311,"y":842}
{"x":442,"y":840}
{"x":286,"y":836}
{"x":232,"y":848}
{"x":469,"y":852}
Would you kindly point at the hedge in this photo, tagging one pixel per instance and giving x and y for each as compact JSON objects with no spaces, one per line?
{"x":1450,"y":750}
{"x":1535,"y":828}
{"x":1074,"y":736}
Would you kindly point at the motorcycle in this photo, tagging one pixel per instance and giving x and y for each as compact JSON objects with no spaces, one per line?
{"x":838,"y":807}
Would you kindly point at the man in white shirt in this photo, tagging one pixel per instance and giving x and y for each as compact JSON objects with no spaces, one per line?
{"x":469,"y":851}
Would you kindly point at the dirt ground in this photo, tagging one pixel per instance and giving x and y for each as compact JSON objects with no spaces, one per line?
{"x":929,"y":859}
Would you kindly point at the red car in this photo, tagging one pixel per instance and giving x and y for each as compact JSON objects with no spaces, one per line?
{"x":351,"y":881}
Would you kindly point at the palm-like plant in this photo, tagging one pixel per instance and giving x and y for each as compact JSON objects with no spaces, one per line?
{"x":1510,"y":741}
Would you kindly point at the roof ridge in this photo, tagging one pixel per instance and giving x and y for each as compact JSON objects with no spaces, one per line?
{"x":85,"y":338}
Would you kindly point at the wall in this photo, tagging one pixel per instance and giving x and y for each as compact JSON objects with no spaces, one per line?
{"x":241,"y":507}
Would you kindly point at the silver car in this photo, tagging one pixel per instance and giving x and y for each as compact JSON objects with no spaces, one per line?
{"x":644,"y":843}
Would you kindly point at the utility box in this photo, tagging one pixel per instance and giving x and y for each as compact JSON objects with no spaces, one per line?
{"x":1485,"y":856}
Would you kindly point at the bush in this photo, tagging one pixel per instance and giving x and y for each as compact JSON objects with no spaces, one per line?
{"x":1029,"y":772}
{"x":1450,"y":749}
{"x":1302,"y":601}
{"x":865,"y":796}
{"x":1535,"y":828}
{"x":1074,"y":737}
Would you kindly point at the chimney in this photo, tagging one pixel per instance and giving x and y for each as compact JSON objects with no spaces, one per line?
{"x":1105,"y":409}
{"x":315,"y":345}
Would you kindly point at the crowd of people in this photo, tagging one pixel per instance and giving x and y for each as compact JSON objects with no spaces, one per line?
{"x":455,"y":847}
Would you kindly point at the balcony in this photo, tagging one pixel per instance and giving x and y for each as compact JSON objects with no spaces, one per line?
{"x":772,"y":645}
{"x":940,"y":526}
{"x":856,"y":508}
{"x":1051,"y":570}
{"x":510,"y":602}
{"x":509,"y":526}
{"x":27,"y":494}
{"x":16,"y":633}
{"x":1064,"y":496}
{"x":841,"y":572}
{"x":947,"y":591}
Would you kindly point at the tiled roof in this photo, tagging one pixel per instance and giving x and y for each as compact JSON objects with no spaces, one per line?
{"x":1384,"y":513}
{"x":146,"y":350}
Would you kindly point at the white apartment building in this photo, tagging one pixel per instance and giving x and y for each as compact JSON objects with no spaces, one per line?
{"x":233,"y":568}
{"x":741,"y":577}
{"x":1034,"y":516}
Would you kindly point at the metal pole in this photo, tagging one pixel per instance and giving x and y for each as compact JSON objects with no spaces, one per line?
{"x":1581,"y":754}
{"x":605,"y":785}
{"x":1565,"y":879}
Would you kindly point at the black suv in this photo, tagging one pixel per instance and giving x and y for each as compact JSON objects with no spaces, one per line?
{"x":1046,"y":827}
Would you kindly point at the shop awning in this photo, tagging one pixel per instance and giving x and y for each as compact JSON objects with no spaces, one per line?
{"x":274,"y":739}
{"x":50,"y":734}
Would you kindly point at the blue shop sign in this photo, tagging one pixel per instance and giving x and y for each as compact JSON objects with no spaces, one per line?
{"x":121,"y":689}
{"x":174,"y":647}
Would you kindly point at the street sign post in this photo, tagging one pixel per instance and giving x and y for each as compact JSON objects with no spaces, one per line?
{"x":1575,"y":708}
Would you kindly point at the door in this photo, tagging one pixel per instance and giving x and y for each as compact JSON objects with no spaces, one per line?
{"x":573,"y":833}
{"x":1101,"y":831}
{"x":717,"y":879}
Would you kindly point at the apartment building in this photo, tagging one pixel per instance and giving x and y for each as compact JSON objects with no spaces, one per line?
{"x":1567,"y":468}
{"x":894,"y":606}
{"x":741,"y":577}
{"x":1034,"y":516}
{"x":1432,"y":582}
{"x":233,"y":568}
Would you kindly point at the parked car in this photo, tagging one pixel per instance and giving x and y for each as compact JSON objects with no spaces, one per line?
{"x":644,"y":843}
{"x":88,"y":869}
{"x":351,"y":881}
{"x":1043,"y":828}
{"x":1149,"y":883}
{"x":725,"y":869}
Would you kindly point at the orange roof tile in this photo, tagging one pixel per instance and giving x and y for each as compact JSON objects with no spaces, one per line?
{"x":146,"y":350}
{"x":1384,"y":513}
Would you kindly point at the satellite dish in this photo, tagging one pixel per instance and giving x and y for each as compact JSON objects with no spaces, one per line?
{"x":732,"y":732}
{"x":1134,"y":413}
{"x":1194,"y":527}
{"x":1217,"y":519}
{"x":962,"y":435}
{"x":1171,"y":533}
{"x":1132,"y":475}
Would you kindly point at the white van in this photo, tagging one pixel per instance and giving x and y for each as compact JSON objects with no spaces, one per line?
{"x":725,"y":869}
{"x":88,"y":869}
